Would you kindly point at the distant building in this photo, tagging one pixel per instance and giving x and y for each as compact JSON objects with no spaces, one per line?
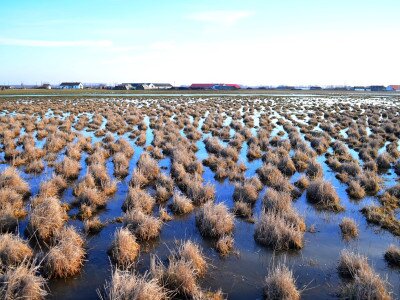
{"x":360,"y":88}
{"x":141,"y":86}
{"x":163,"y":86}
{"x":202,"y":86}
{"x":124,"y":86}
{"x":377,"y":88}
{"x":45,"y":86}
{"x":315,"y":88}
{"x":395,"y":88}
{"x":226,"y":87}
{"x":71,"y":85}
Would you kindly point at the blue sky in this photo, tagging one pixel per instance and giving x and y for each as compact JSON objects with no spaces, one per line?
{"x":248,"y":42}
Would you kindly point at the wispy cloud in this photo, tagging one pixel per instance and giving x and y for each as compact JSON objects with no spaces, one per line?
{"x":221,"y":17}
{"x":44,"y":43}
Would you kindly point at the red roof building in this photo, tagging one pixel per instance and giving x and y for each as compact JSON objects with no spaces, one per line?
{"x":202,"y":86}
{"x":394,"y":87}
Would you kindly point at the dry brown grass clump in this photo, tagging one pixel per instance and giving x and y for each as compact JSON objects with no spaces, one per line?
{"x":280,"y":284}
{"x":21,"y":282}
{"x":314,"y":170}
{"x":245,"y":191}
{"x":11,"y":209}
{"x":225,"y":245}
{"x":179,"y":277}
{"x":53,"y":187}
{"x":323,"y":195}
{"x":124,"y":249}
{"x":185,"y":266}
{"x":370,"y":182}
{"x":35,"y":166}
{"x":392,"y":255}
{"x":145,"y":227}
{"x":365,"y":284}
{"x":286,"y":166}
{"x":214,"y":220}
{"x":302,"y":183}
{"x":139,"y":179}
{"x":355,"y":190}
{"x":46,"y":218}
{"x":121,"y":164}
{"x":181,"y":204}
{"x":13,"y":250}
{"x":65,"y":257}
{"x":242,"y":209}
{"x":69,"y":168}
{"x":10,"y":178}
{"x":281,"y":231}
{"x":164,"y":215}
{"x":383,"y":217}
{"x":91,"y":196}
{"x":351,"y":263}
{"x":349,"y":228}
{"x":128,"y":285}
{"x":148,"y":166}
{"x":191,"y":252}
{"x":383,"y":161}
{"x":93,"y":225}
{"x":275,"y":200}
{"x":198,"y":192}
{"x":139,"y":199}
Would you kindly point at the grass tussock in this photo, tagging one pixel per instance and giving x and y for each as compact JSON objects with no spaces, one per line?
{"x":164,"y":215}
{"x":365,"y":283}
{"x":181,"y":204}
{"x":214,"y":220}
{"x":144,"y":227}
{"x":184,"y":268}
{"x":13,"y":250}
{"x":191,"y":252}
{"x":69,"y":168}
{"x":139,"y":199}
{"x":322,"y":194}
{"x":148,"y":166}
{"x":280,"y":284}
{"x":392,"y":255}
{"x":278,"y":231}
{"x":125,"y":249}
{"x":276,"y":200}
{"x":65,"y":258}
{"x":349,"y":228}
{"x":93,"y":225}
{"x":10,"y":178}
{"x":47,"y":217}
{"x":53,"y":187}
{"x":225,"y":245}
{"x":351,"y":263}
{"x":22,"y":282}
{"x":370,"y":182}
{"x":302,"y":183}
{"x":383,"y":217}
{"x":355,"y":190}
{"x":246,"y":191}
{"x":128,"y":285}
{"x":242,"y":209}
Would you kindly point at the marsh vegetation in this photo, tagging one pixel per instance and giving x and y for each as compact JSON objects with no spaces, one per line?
{"x":200,"y":197}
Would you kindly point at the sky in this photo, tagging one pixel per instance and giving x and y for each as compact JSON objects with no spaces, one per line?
{"x":252,"y":42}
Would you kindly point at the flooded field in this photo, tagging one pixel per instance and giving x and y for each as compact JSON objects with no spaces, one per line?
{"x":200,"y":197}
